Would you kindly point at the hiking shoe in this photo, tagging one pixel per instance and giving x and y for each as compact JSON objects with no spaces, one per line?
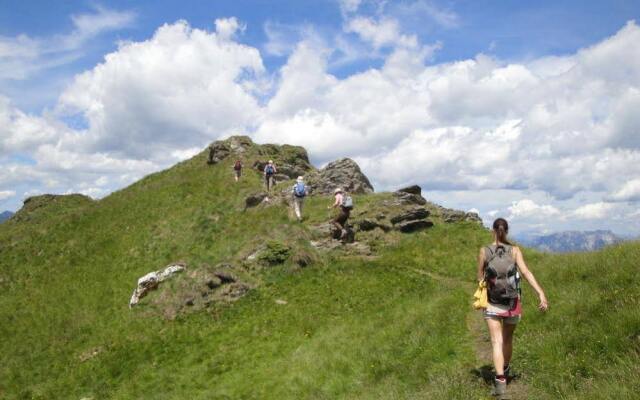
{"x":500,"y":389}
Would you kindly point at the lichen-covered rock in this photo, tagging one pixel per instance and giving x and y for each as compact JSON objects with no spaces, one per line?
{"x":218,"y":151}
{"x":344,"y":173}
{"x":410,"y":195}
{"x":413,"y":225}
{"x":410,"y":215}
{"x":151,"y":281}
{"x":413,"y":189}
{"x":368,"y":224}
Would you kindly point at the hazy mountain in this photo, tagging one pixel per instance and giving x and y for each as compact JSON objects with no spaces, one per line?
{"x":569,"y":241}
{"x":5,"y":215}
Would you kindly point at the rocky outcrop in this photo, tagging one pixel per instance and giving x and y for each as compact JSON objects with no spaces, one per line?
{"x":413,"y":225}
{"x":451,"y":216}
{"x":410,"y":195}
{"x":411,"y":220}
{"x":368,"y":224}
{"x":410,"y":215}
{"x":218,"y":151}
{"x":344,"y":173}
{"x":254,"y":199}
{"x":151,"y":281}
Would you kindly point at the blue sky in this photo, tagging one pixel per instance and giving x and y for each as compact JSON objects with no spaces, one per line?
{"x":507,"y":29}
{"x":552,"y":81}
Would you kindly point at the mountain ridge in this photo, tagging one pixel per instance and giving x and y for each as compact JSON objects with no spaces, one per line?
{"x":572,"y":241}
{"x":317,"y":322}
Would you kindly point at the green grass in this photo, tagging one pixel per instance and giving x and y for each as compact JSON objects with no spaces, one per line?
{"x":390,"y":328}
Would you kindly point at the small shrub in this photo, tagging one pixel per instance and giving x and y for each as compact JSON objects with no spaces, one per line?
{"x":275,"y":253}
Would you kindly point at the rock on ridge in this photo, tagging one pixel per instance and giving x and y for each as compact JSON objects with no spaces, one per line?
{"x":151,"y":281}
{"x":344,"y":173}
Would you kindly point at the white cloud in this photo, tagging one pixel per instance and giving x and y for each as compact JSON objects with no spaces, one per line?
{"x":562,"y":127}
{"x":22,"y":56}
{"x":5,"y":194}
{"x":181,"y":88}
{"x":630,"y":191}
{"x":380,"y":33}
{"x":227,"y":27}
{"x":598,"y":210}
{"x":527,"y":208}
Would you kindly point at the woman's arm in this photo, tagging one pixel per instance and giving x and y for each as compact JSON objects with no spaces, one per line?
{"x":480,"y":274}
{"x":524,"y":270}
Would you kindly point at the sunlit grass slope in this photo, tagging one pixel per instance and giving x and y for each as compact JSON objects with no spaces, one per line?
{"x":391,"y":328}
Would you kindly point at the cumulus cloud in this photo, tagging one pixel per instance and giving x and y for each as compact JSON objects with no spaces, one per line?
{"x":564,"y":126}
{"x":527,"y":208}
{"x":380,"y":33}
{"x":593,"y":211}
{"x":181,"y":88}
{"x":630,"y":191}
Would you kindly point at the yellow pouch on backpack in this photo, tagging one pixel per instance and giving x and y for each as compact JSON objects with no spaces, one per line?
{"x":480,"y":296}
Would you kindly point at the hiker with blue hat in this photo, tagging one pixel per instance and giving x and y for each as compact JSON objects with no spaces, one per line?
{"x":299,"y":192}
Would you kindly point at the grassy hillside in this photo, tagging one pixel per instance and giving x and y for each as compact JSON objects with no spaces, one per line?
{"x":398,"y":326}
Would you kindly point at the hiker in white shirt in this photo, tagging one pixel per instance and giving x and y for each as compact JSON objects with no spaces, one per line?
{"x":299,"y":192}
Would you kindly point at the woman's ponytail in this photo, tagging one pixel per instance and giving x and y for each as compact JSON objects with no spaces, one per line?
{"x":501,"y":228}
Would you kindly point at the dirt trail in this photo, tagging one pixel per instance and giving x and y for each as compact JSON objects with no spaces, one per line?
{"x":517,"y":389}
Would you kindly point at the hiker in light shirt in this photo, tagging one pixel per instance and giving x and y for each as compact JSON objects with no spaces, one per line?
{"x":299,"y":191}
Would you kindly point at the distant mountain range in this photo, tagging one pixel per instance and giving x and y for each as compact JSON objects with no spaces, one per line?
{"x":570,"y":241}
{"x":5,"y":215}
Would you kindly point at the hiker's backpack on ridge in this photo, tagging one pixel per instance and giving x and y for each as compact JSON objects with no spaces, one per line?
{"x":299,"y":190}
{"x":269,"y":170}
{"x":501,"y":274}
{"x":347,"y":202}
{"x":238,"y":165}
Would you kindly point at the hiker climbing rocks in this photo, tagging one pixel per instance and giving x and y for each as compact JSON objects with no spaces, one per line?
{"x":344,"y":202}
{"x":299,"y":192}
{"x":269,"y":175}
{"x":237,"y":169}
{"x":500,"y":266}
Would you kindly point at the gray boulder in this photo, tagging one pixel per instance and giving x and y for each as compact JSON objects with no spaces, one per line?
{"x":413,"y":226}
{"x":410,"y":195}
{"x":218,"y":151}
{"x":368,"y":224}
{"x":344,"y":173}
{"x":413,"y":189}
{"x":410,"y":215}
{"x":151,"y":281}
{"x":254,"y":200}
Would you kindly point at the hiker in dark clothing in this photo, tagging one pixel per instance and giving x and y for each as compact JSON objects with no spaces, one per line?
{"x":269,"y":175}
{"x":345,"y":204}
{"x":499,"y":268}
{"x":237,"y":169}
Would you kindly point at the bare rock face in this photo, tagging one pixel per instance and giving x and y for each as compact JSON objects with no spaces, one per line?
{"x":344,"y":173}
{"x":413,"y":225}
{"x":254,"y":199}
{"x":151,"y":281}
{"x":410,"y":195}
{"x":218,"y":151}
{"x":410,"y":215}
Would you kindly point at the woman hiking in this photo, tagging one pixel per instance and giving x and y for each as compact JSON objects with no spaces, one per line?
{"x":500,"y":266}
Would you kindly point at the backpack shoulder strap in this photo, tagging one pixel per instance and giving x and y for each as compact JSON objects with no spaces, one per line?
{"x":489,"y":254}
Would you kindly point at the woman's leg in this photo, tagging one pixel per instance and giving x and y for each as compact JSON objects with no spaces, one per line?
{"x":507,"y":341}
{"x":495,"y":330}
